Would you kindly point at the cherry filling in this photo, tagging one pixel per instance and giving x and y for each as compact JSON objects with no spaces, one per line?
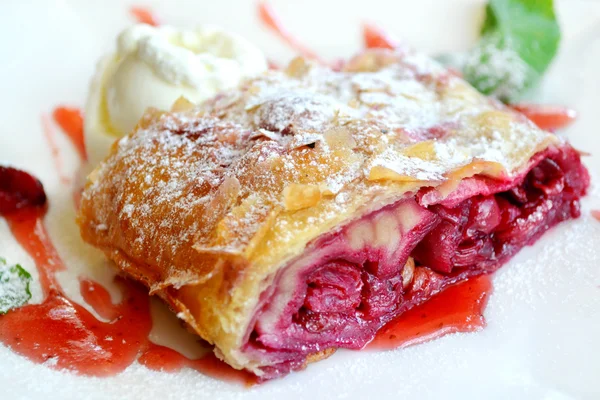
{"x":482,"y":232}
{"x":350,"y":283}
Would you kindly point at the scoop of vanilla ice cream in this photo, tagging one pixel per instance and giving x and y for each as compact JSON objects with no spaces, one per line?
{"x":153,"y":67}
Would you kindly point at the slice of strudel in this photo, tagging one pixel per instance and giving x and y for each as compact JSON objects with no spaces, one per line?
{"x":303,"y":210}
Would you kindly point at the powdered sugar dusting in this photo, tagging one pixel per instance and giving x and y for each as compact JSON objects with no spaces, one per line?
{"x":214,"y":175}
{"x":497,"y":67}
{"x":14,"y":286}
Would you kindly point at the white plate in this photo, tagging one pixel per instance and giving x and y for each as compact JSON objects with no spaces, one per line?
{"x":541,"y":341}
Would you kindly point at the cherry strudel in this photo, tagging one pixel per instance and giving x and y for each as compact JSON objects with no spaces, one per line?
{"x":303,"y":210}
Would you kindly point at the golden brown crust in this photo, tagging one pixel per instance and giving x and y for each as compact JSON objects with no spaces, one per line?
{"x":321,"y":355}
{"x":204,"y":205}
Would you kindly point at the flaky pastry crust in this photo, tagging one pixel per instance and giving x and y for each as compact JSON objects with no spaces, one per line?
{"x":204,"y":204}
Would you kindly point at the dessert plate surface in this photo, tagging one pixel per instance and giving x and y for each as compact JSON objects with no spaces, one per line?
{"x":543,"y":318}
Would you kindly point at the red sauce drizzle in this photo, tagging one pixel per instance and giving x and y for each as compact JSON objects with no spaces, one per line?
{"x":376,"y":38}
{"x":59,"y":331}
{"x":71,"y":122}
{"x":144,"y":15}
{"x":458,"y":308}
{"x":268,"y":17}
{"x":547,"y":117}
{"x":65,"y":335}
{"x":161,"y":358}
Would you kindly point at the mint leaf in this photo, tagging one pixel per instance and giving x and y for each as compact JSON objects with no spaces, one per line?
{"x":494,"y":68}
{"x":519,"y":40}
{"x":14,"y":286}
{"x":530,"y":25}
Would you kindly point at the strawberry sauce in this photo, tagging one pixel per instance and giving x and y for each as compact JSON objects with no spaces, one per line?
{"x":161,"y":358}
{"x":550,"y":118}
{"x":63,"y":334}
{"x":143,"y":15}
{"x":269,"y":18}
{"x":459,"y":308}
{"x":376,"y":38}
{"x":70,"y":121}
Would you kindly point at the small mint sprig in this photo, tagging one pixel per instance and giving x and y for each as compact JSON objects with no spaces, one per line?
{"x":519,"y":40}
{"x":14,"y":286}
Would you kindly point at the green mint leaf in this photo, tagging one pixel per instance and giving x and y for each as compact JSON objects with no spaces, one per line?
{"x":494,"y":68}
{"x":530,"y":25}
{"x":519,"y":40}
{"x":14,"y":286}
